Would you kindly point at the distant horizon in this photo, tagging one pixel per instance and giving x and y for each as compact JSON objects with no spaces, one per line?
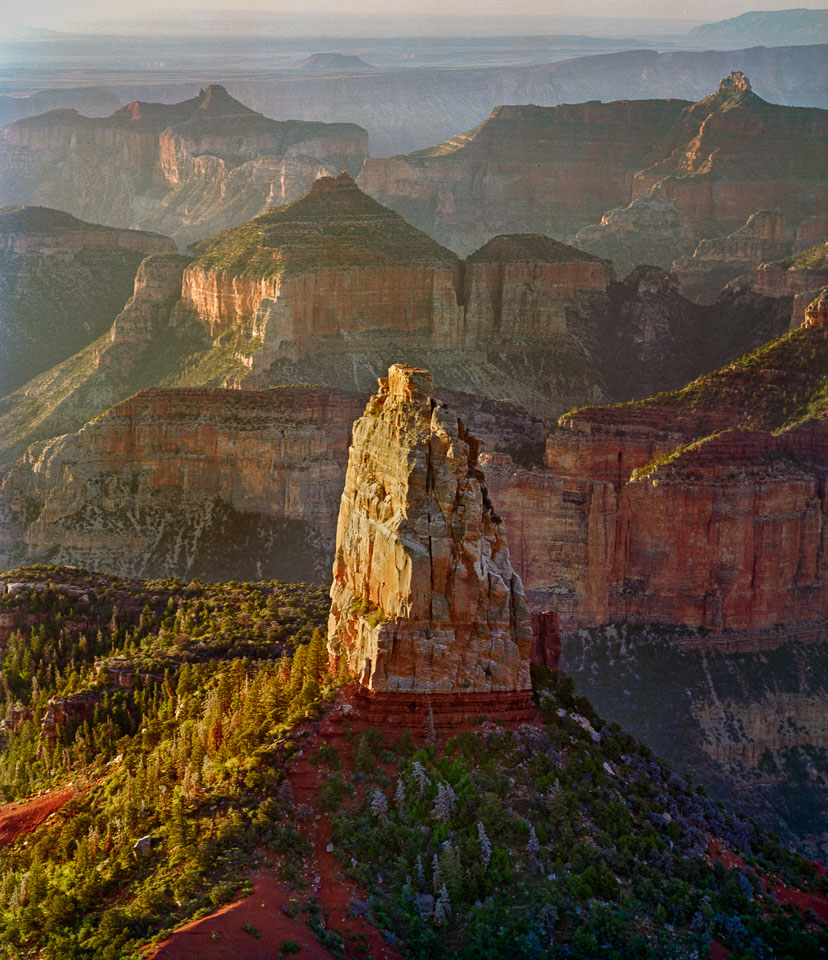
{"x":415,"y":18}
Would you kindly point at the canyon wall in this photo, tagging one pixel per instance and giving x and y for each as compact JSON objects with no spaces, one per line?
{"x":689,"y":510}
{"x":329,"y":288}
{"x":631,"y":181}
{"x":62,"y":281}
{"x":404,"y":108}
{"x":547,"y":170}
{"x":189,"y":483}
{"x":765,"y":237}
{"x":726,"y":158}
{"x":187,"y":169}
{"x":801,"y":277}
{"x":204,"y":482}
{"x":733,"y":153}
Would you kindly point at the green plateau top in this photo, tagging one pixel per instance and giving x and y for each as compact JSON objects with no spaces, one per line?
{"x":334,"y":224}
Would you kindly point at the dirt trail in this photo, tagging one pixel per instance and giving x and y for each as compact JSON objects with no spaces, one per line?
{"x":250,"y":929}
{"x":222,"y":934}
{"x":802,"y":899}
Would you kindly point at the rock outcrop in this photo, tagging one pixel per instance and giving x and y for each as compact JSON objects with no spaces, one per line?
{"x":800,"y":277}
{"x":765,"y":237}
{"x":186,"y":169}
{"x":333,"y":266}
{"x":734,"y":153}
{"x":523,"y":285}
{"x":61,"y":283}
{"x":728,"y":157}
{"x":331,"y":289}
{"x":649,"y":230}
{"x":424,"y":601}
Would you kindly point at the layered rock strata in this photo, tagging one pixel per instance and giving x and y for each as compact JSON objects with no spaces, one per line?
{"x":800,"y":277}
{"x":330,"y":289}
{"x":727,"y":157}
{"x":186,"y":169}
{"x":188,"y":483}
{"x":333,"y":266}
{"x":765,"y":237}
{"x":425,"y":605}
{"x":547,"y":170}
{"x":523,"y":285}
{"x":337,"y":279}
{"x":643,"y":180}
{"x":705,"y":508}
{"x":734,"y":153}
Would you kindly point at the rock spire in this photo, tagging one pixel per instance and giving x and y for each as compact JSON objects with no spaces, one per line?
{"x":424,"y":598}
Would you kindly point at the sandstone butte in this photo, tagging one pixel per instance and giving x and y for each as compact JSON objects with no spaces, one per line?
{"x":185,"y":169}
{"x":726,"y":158}
{"x":333,"y":268}
{"x":704,"y":507}
{"x":426,"y":609}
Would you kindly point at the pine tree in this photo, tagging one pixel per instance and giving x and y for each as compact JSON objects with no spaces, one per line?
{"x":532,"y":845}
{"x":443,"y":907}
{"x":444,"y":803}
{"x":420,"y":776}
{"x":485,"y":846}
{"x":379,"y":805}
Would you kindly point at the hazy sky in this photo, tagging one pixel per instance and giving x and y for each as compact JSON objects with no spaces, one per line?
{"x":65,"y":13}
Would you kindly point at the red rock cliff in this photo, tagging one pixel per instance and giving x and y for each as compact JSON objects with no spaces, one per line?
{"x":733,"y":153}
{"x":137,"y":488}
{"x":548,"y":170}
{"x":663,"y":512}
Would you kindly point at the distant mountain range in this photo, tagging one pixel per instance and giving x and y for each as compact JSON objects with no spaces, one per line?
{"x":766,"y":27}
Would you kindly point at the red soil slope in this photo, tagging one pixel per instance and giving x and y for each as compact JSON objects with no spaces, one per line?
{"x":17,"y":819}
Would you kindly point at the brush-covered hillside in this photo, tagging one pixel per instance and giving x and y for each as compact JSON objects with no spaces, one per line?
{"x":169,"y":748}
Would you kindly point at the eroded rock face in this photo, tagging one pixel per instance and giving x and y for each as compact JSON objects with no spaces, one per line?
{"x":716,"y":261}
{"x":190,"y":483}
{"x":662,"y":174}
{"x":424,"y":598}
{"x":690,"y":509}
{"x":186,"y":169}
{"x":801,"y":277}
{"x":549,"y":170}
